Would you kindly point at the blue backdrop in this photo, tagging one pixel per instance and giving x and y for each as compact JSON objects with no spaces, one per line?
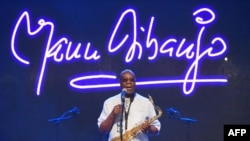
{"x":25,"y":114}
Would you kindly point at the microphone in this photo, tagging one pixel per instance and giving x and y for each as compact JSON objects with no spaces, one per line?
{"x":74,"y":111}
{"x":123,"y":93}
{"x":172,"y":111}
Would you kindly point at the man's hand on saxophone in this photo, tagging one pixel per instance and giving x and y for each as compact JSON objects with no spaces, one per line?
{"x":149,"y":129}
{"x":145,"y":127}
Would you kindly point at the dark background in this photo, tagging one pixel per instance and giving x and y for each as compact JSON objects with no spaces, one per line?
{"x":24,"y":115}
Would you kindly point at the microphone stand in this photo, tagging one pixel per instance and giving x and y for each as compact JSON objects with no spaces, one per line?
{"x":187,"y":122}
{"x":121,"y":129}
{"x":174,"y":114}
{"x":65,"y":116}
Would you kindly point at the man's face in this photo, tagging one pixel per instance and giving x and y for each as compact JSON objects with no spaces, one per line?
{"x":128,"y":81}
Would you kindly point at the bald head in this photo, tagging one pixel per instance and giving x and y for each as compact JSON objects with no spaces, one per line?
{"x":127,"y":71}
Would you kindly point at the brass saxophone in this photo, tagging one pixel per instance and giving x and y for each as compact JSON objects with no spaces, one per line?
{"x":130,"y":134}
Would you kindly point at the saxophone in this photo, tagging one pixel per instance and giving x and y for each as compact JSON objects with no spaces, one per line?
{"x":130,"y":134}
